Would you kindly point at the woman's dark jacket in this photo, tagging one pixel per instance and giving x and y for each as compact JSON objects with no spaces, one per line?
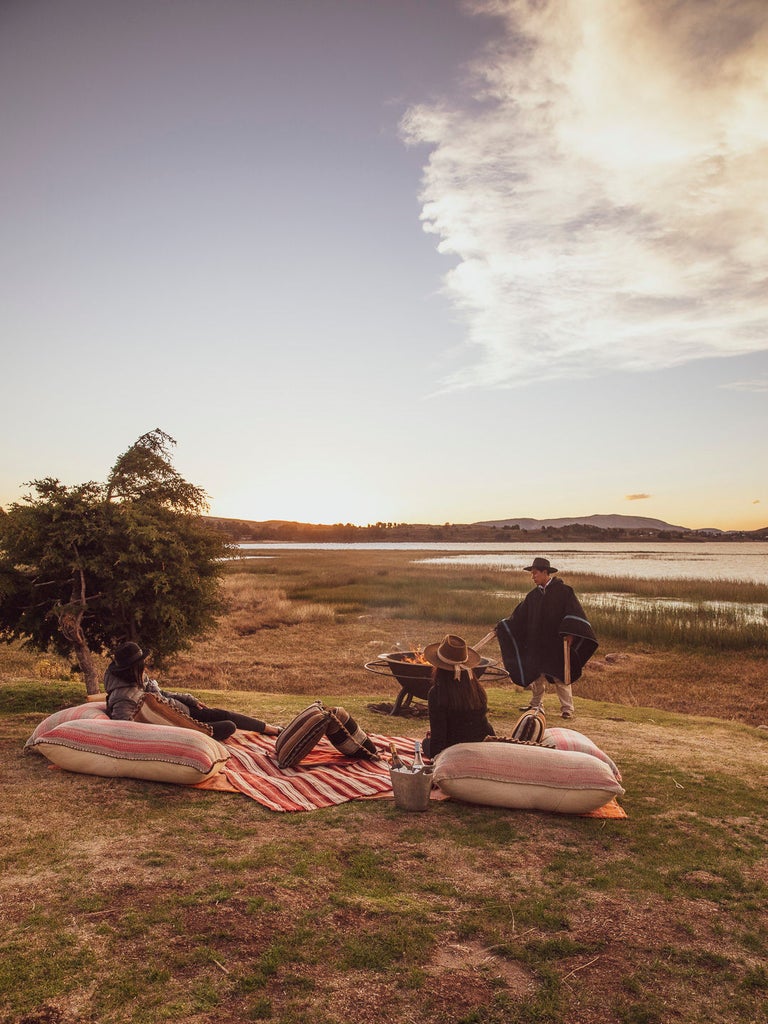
{"x":124,"y":696}
{"x":447,"y":726}
{"x":531,"y":639}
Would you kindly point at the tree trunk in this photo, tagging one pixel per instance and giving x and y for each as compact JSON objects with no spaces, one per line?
{"x":70,"y":619}
{"x":69,"y":624}
{"x":88,"y":666}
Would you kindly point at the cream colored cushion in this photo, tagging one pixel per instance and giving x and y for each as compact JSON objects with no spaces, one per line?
{"x":523,"y":777}
{"x":159,"y":753}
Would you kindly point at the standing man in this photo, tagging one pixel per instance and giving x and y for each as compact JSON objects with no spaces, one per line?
{"x":545,"y":627}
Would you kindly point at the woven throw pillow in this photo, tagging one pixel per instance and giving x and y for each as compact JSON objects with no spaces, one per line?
{"x":569,"y":739}
{"x":347,"y":736}
{"x":530,"y":727}
{"x":525,"y":777}
{"x":301,"y":735}
{"x":155,"y":709}
{"x":92,"y":711}
{"x":133,"y":750}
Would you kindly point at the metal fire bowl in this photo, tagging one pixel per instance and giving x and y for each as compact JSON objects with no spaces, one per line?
{"x":415,"y":678}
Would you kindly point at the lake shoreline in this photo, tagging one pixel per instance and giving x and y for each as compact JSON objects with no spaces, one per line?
{"x":713,"y":560}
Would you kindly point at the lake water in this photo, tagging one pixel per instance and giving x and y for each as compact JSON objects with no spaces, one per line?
{"x":711,"y":560}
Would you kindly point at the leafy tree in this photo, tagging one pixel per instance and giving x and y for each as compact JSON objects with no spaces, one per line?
{"x":83,"y":568}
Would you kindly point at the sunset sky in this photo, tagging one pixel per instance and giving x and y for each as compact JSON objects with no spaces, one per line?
{"x":391,"y":260}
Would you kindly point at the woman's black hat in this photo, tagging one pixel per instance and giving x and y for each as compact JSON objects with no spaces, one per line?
{"x":129,"y":654}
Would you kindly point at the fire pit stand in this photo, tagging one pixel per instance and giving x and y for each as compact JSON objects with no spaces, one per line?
{"x":415,"y":677}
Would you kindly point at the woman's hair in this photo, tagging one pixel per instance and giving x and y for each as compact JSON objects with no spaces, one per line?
{"x":463,"y":694}
{"x":132,"y":674}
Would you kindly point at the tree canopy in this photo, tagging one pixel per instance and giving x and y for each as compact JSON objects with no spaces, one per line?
{"x":85,"y":567}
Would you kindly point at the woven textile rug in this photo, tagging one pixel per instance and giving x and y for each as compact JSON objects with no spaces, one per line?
{"x":323,"y":779}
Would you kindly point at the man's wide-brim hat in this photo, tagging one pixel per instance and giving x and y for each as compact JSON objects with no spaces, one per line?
{"x":451,"y":652}
{"x":542,"y":564}
{"x":129,"y":654}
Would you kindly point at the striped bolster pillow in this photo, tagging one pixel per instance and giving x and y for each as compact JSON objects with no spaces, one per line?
{"x":301,"y":735}
{"x":347,"y":736}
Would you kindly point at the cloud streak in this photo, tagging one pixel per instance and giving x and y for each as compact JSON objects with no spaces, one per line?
{"x":759,"y":385}
{"x":600,"y":186}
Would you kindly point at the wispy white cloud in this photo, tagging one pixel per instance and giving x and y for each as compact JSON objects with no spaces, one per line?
{"x":746,"y":385}
{"x":601,"y":185}
{"x":637,"y":497}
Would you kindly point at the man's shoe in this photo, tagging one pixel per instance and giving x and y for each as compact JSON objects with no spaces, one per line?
{"x":528,"y":707}
{"x":567,"y":714}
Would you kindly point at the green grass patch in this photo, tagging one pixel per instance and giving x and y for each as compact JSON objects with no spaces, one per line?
{"x":385,"y":943}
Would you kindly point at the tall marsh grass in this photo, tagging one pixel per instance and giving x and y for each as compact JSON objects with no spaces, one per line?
{"x":723,"y":615}
{"x":251,"y":606}
{"x":673,"y":624}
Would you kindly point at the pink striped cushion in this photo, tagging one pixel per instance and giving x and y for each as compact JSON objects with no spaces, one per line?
{"x":529,"y":778}
{"x":160,"y":753}
{"x":569,"y":739}
{"x":92,"y":711}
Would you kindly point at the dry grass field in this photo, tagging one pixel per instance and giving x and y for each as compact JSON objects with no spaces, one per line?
{"x":308,"y":621}
{"x":126,"y":901}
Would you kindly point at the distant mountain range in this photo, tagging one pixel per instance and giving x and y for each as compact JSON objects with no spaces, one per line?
{"x":568,"y":528}
{"x":604,"y":522}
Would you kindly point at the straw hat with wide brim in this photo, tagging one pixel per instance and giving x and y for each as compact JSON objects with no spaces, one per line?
{"x":452,"y":653}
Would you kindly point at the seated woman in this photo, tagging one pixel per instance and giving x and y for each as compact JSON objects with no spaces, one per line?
{"x":126,"y":681}
{"x":458,"y":704}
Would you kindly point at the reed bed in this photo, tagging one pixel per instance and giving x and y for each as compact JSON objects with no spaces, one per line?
{"x":678,"y":625}
{"x":718,"y":615}
{"x":736,"y":591}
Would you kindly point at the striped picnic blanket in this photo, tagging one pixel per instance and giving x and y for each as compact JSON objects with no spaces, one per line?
{"x":323,"y":779}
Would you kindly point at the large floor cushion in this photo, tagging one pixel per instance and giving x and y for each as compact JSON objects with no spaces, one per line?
{"x":160,"y":753}
{"x":94,"y":711}
{"x":525,"y":777}
{"x":569,"y":739}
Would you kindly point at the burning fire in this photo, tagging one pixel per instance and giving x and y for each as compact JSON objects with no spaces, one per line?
{"x":415,"y":658}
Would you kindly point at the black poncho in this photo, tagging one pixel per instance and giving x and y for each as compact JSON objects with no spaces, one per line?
{"x":531,"y":639}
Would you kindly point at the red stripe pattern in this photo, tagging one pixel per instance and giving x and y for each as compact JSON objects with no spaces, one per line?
{"x":136,"y":741}
{"x":324,"y":778}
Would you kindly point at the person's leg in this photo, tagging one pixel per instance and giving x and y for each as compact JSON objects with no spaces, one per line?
{"x":244,"y":721}
{"x":220,"y":715}
{"x":565,"y":694}
{"x":538,"y":688}
{"x":222,"y":730}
